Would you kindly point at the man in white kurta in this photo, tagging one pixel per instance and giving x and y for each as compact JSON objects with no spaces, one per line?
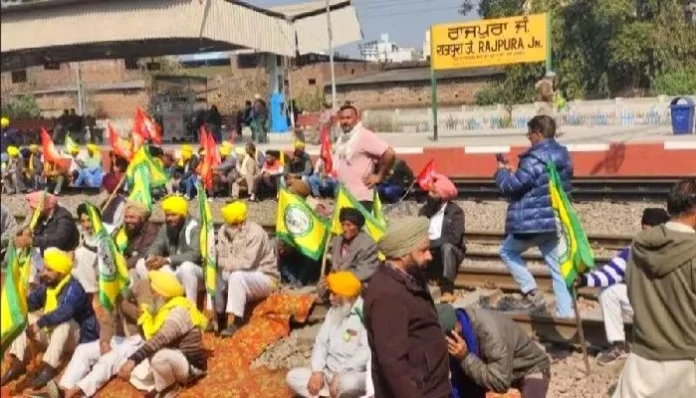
{"x":247,"y":265}
{"x":341,"y":352}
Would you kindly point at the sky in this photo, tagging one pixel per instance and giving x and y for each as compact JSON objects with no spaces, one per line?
{"x":404,"y":20}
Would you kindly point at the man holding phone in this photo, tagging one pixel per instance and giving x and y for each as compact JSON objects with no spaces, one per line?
{"x":530,"y":220}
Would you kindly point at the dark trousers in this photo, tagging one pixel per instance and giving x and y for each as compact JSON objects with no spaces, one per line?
{"x":445,"y":264}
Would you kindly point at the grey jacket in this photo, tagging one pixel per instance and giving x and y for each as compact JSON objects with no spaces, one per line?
{"x":506,"y":353}
{"x":186,"y":248}
{"x":7,"y":225}
{"x":360,"y":258}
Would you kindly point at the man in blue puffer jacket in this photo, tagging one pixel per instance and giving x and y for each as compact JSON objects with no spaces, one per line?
{"x":530,"y":220}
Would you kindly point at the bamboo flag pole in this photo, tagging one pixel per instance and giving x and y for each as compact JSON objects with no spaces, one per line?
{"x":407,"y":191}
{"x":114,"y":193}
{"x":581,"y":333}
{"x":323,"y":258}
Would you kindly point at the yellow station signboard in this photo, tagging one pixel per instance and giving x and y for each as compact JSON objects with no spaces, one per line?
{"x":489,"y":42}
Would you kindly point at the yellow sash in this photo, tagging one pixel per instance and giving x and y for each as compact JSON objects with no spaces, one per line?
{"x":52,"y":295}
{"x":152,"y":324}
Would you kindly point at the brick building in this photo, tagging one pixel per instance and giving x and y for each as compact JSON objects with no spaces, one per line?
{"x":407,"y":85}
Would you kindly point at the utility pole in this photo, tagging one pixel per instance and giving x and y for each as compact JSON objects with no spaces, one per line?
{"x":80,"y":93}
{"x":331,"y":56}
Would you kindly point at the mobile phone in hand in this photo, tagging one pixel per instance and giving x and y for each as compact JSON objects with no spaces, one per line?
{"x":500,"y":158}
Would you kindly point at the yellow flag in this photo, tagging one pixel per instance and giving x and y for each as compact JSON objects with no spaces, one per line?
{"x":374,"y":226}
{"x":158,"y":177}
{"x":298,"y":225}
{"x":13,"y":301}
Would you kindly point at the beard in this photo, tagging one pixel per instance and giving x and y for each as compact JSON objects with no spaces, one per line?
{"x":340,"y":311}
{"x":173,"y":232}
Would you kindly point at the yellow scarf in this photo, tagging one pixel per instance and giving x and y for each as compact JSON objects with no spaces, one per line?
{"x":52,"y":295}
{"x":152,"y":324}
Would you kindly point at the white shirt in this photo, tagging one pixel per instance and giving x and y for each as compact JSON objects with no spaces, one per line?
{"x":435,"y":229}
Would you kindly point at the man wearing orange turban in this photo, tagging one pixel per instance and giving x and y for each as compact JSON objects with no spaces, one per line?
{"x":446,"y":234}
{"x":341,"y":352}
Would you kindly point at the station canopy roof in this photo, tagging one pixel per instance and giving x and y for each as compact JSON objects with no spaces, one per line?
{"x":54,"y":31}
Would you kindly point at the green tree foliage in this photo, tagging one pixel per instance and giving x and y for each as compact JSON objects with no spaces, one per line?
{"x":20,"y":107}
{"x":604,"y":48}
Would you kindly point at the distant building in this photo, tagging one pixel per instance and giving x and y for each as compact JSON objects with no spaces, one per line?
{"x":384,"y":50}
{"x":426,"y":45}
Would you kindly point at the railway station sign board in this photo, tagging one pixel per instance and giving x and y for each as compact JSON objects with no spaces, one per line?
{"x":490,"y":42}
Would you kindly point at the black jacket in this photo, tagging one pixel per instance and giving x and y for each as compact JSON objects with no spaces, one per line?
{"x":452,"y":225}
{"x":401,"y":175}
{"x":59,"y":230}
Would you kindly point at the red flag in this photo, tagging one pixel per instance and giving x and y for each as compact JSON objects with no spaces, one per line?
{"x":425,"y":177}
{"x":210,"y":160}
{"x":146,"y":127}
{"x":50,"y":152}
{"x":325,"y":154}
{"x":120,"y":146}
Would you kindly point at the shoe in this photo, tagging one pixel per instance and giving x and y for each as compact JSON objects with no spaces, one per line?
{"x":532,"y":300}
{"x":212,"y":327}
{"x":616,"y":352}
{"x":45,"y":374}
{"x":16,"y":370}
{"x":195,"y":374}
{"x":229,"y":331}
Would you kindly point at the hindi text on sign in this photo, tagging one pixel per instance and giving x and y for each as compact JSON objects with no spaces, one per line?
{"x":489,"y":42}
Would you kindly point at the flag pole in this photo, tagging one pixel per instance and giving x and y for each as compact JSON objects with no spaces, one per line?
{"x":323,"y":258}
{"x":407,"y":191}
{"x":114,"y":193}
{"x":581,"y":333}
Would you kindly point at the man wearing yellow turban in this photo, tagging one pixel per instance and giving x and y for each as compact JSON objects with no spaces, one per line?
{"x":12,"y":175}
{"x":66,"y":308}
{"x":187,"y":166}
{"x":34,"y":170}
{"x":120,"y":336}
{"x":89,"y":171}
{"x":174,"y":341}
{"x":247,"y":265}
{"x":226,"y":172}
{"x":341,"y":351}
{"x":177,"y":247}
{"x":300,"y":163}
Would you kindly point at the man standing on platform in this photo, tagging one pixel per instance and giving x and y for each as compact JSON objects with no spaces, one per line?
{"x":358,"y":152}
{"x":530,"y":220}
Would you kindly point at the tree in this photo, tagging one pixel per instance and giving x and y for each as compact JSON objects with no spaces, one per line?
{"x":22,"y":106}
{"x":603,"y":48}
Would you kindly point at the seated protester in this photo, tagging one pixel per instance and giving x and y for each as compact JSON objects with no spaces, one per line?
{"x":34,"y":170}
{"x":90,"y":172}
{"x":139,"y":232}
{"x":341,"y":351}
{"x":86,"y":267}
{"x":112,"y":216}
{"x":173,"y":330}
{"x":354,"y":250}
{"x":248,"y":167}
{"x":13,"y":178}
{"x":295,"y":268}
{"x":247,"y":269}
{"x":226,"y":172}
{"x":446,"y":234}
{"x":66,"y":308}
{"x":94,"y":364}
{"x":267,"y":180}
{"x":55,"y":228}
{"x":177,"y":248}
{"x":489,"y":352}
{"x":188,"y":166}
{"x":396,"y":183}
{"x":321,"y":182}
{"x":613,"y":296}
{"x":300,"y":165}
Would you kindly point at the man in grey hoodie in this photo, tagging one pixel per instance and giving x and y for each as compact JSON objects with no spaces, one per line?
{"x":661,"y":281}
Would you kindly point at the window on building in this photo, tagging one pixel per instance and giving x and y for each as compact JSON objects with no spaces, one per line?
{"x":131,"y":63}
{"x":312,"y":82}
{"x":19,"y":76}
{"x":153,"y":66}
{"x":51,"y":65}
{"x":249,"y":61}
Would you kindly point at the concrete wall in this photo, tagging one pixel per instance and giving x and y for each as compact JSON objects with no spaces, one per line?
{"x":619,"y":111}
